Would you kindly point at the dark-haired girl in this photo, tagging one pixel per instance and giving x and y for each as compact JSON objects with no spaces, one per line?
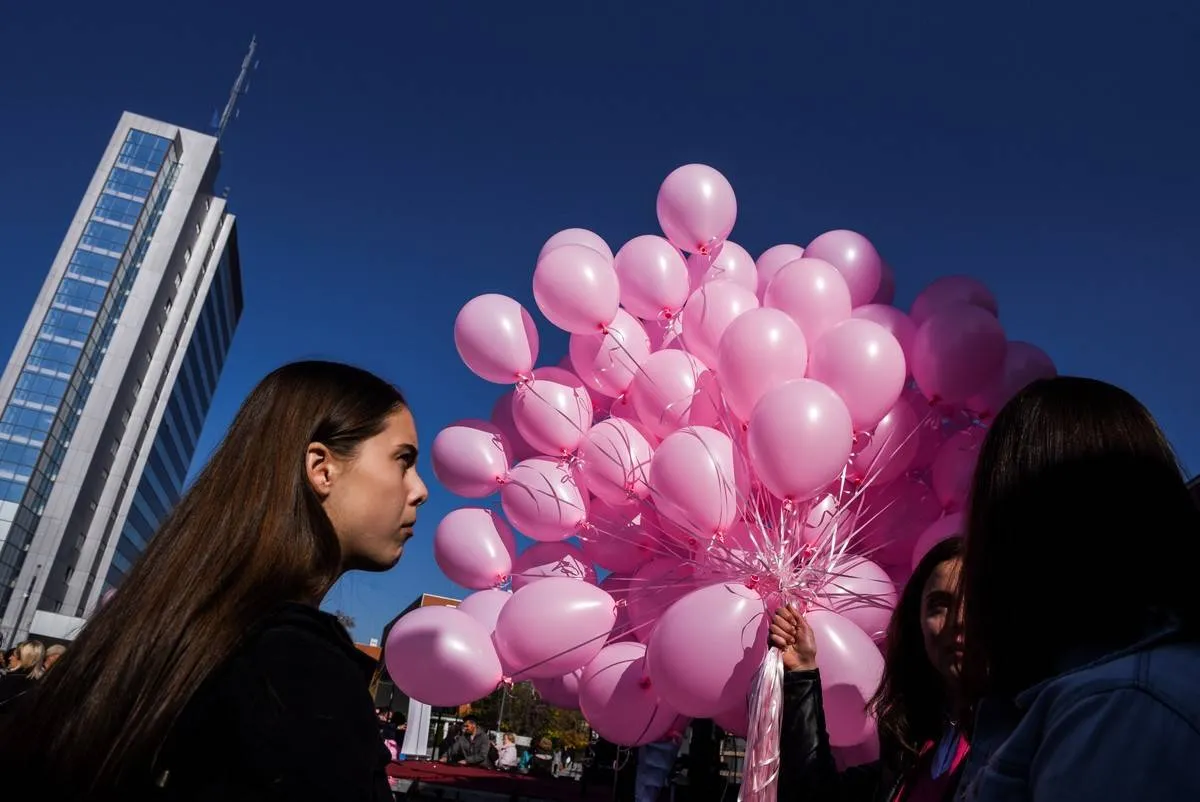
{"x":1081,"y":610}
{"x":922,"y":748}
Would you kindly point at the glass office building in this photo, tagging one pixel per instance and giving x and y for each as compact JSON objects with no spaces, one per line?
{"x":104,"y":397}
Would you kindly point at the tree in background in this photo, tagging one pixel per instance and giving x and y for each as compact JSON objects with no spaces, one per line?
{"x":345,"y":619}
{"x":526,"y":713}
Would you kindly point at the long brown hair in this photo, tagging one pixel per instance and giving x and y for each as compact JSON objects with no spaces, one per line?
{"x":910,"y":704}
{"x":1079,"y":514}
{"x":248,"y":536}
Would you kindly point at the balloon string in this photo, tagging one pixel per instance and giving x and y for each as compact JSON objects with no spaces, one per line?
{"x":760,"y":778}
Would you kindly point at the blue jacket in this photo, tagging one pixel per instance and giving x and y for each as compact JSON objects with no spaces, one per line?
{"x":1123,"y":728}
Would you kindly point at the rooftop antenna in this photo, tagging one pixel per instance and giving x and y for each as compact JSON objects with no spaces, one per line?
{"x":240,"y":87}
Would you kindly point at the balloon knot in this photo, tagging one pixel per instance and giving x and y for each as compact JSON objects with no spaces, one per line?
{"x":644,"y":683}
{"x":506,"y":681}
{"x":523,"y":379}
{"x":621,"y":603}
{"x":752,"y":581}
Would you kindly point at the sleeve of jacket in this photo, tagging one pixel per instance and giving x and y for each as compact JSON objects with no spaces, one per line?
{"x":807,"y":769}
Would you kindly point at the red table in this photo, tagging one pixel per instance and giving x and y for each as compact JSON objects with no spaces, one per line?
{"x":490,"y":781}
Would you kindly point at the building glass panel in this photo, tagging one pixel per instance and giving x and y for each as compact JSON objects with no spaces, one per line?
{"x":72,"y":336}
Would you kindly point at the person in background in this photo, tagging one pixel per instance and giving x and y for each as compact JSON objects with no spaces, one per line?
{"x":508,"y":753}
{"x":452,"y":732}
{"x":52,"y":655}
{"x":213,"y":674}
{"x":543,"y":758}
{"x":24,"y":668}
{"x":922,"y":747}
{"x":1081,"y":615}
{"x":471,"y":746}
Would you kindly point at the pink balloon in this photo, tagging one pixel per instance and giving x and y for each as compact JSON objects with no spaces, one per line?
{"x":544,"y":499}
{"x":616,"y":461}
{"x":576,"y":288}
{"x":799,"y":438}
{"x":958,"y":352}
{"x":864,"y":365}
{"x":470,"y":458}
{"x":614,"y":540}
{"x":860,"y":754}
{"x":692,"y":477}
{"x":442,"y":657}
{"x":502,"y":419}
{"x":474,"y":548}
{"x":949,"y":291}
{"x":851,"y":669}
{"x":730,"y":262}
{"x":577,"y":236}
{"x":608,"y":361}
{"x":893,"y":517}
{"x":653,"y":277}
{"x":674,"y":389}
{"x":1023,"y":365}
{"x":553,"y":411}
{"x":887,"y":285}
{"x":696,"y":208}
{"x":854,"y":257}
{"x":731,"y":621}
{"x":812,"y":293}
{"x":890,"y":449}
{"x":954,"y":467}
{"x":554,"y":626}
{"x":709,"y":312}
{"x":827,"y":518}
{"x":606,"y":551}
{"x":544,"y":560}
{"x":760,"y":350}
{"x":618,"y":586}
{"x":949,"y":526}
{"x":894,"y":321}
{"x":861,"y":592}
{"x":485,"y":605}
{"x":619,"y":700}
{"x":496,"y":338}
{"x":653,"y":589}
{"x":735,"y":720}
{"x":561,"y":692}
{"x":772,"y":260}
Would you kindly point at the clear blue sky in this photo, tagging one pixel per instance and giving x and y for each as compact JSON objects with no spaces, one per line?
{"x":392,"y":160}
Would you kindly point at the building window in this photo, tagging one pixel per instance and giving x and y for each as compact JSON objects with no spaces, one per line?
{"x":197,"y":228}
{"x":178,"y":279}
{"x":187,"y":255}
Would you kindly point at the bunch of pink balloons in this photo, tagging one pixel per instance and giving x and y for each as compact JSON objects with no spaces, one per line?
{"x":725,"y":435}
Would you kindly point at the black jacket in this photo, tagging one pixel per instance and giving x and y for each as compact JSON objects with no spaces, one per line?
{"x":289,"y":717}
{"x":807,"y":769}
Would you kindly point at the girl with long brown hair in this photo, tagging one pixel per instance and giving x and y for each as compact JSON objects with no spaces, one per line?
{"x":921,"y":747}
{"x":211,"y":673}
